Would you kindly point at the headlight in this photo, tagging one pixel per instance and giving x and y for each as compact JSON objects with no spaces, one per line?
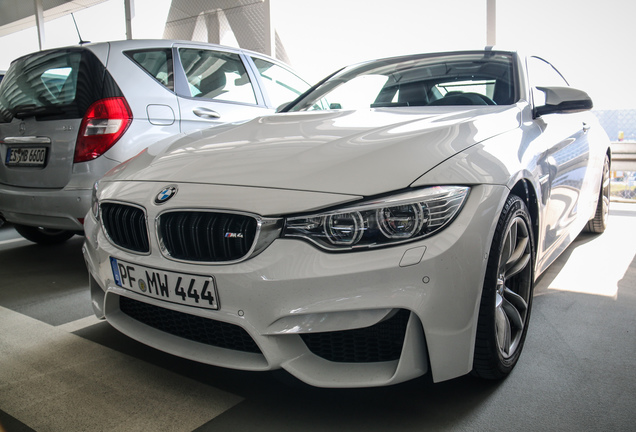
{"x":391,"y":220}
{"x":94,"y":201}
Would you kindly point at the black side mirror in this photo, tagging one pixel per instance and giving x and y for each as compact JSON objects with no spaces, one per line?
{"x":560,"y":100}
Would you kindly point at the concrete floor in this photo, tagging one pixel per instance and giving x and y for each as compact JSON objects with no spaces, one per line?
{"x":62,"y":370}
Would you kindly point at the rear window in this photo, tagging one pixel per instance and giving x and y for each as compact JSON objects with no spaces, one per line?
{"x":51,"y":85}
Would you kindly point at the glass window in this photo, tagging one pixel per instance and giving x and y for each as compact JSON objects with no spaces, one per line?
{"x":54,"y":81}
{"x":429,"y":80}
{"x":157,"y":62}
{"x":543,"y":74}
{"x":216,"y":75}
{"x":48,"y":84}
{"x":482,"y":87}
{"x":359,"y":93}
{"x":281,"y":85}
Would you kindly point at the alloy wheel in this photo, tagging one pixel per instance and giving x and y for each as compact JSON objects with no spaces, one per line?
{"x":513,"y":287}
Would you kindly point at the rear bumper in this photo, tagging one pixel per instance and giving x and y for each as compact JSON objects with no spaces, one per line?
{"x":47,"y":208}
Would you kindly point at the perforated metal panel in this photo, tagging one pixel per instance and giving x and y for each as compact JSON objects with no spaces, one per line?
{"x":241,"y":23}
{"x":616,"y":121}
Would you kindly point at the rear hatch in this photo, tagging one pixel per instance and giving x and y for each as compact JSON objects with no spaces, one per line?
{"x":43,"y":99}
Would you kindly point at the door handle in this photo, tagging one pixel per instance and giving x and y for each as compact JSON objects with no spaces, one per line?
{"x":206,"y":113}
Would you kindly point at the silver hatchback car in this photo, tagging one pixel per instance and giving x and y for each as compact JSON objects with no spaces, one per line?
{"x":69,"y":115}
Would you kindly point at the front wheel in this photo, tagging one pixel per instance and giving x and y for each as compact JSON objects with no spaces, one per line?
{"x":44,"y":236}
{"x":506,"y":300}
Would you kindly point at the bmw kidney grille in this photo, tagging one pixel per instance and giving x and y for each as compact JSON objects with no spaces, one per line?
{"x":126,"y":226}
{"x":207,"y":236}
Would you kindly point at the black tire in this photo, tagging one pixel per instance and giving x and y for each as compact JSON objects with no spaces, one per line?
{"x":598,"y":223}
{"x":506,"y":299}
{"x":43,"y":236}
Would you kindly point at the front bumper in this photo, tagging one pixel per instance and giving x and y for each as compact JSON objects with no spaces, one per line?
{"x":293,"y":297}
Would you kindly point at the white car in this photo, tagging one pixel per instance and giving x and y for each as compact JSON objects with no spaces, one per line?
{"x":397,"y":233}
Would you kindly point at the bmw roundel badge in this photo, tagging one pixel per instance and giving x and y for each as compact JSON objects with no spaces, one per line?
{"x":165,"y":194}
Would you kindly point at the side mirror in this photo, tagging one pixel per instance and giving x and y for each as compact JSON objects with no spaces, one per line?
{"x":550,"y":100}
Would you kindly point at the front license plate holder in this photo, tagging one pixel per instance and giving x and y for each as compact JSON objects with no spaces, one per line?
{"x":174,"y":287}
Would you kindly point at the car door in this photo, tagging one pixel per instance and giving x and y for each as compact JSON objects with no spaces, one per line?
{"x":214,"y":86}
{"x":563,"y":162}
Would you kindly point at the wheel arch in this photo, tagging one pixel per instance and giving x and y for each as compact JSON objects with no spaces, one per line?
{"x":524,"y":189}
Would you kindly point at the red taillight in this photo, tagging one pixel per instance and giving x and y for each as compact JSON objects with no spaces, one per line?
{"x":104,"y":123}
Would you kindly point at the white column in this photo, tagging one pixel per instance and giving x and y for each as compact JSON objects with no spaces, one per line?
{"x":129,"y":10}
{"x":270,"y":38}
{"x":491,"y":22}
{"x":39,"y":21}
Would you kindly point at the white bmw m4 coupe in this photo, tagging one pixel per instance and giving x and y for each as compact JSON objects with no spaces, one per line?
{"x":388,"y":223}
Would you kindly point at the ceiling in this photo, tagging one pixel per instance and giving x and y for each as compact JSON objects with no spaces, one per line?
{"x":16,"y":15}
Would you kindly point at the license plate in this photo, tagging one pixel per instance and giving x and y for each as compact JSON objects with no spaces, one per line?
{"x":174,"y":287}
{"x":26,"y":156}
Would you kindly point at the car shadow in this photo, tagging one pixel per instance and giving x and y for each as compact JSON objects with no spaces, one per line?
{"x":48,"y":283}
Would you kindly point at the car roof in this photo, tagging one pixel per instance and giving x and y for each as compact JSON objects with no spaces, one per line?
{"x":153,"y":43}
{"x":485,"y":50}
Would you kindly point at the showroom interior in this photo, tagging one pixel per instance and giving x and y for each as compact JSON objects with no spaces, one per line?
{"x":63,"y":368}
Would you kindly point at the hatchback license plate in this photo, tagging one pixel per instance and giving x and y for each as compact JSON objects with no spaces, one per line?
{"x":192,"y":290}
{"x":26,"y":156}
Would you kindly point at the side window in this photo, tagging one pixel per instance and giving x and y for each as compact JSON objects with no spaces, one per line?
{"x":280,"y":84}
{"x":359,"y":93}
{"x":157,"y":62}
{"x":216,"y":75}
{"x":543,"y":74}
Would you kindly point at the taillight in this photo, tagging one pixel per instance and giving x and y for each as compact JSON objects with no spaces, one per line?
{"x":104,"y":123}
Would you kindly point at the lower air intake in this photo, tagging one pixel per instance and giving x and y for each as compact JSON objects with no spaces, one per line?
{"x":194,"y":328}
{"x":380,"y":342}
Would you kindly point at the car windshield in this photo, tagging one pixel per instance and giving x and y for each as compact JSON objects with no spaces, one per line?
{"x":478,"y":78}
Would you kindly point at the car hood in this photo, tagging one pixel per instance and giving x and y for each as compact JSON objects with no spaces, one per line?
{"x":346,"y":152}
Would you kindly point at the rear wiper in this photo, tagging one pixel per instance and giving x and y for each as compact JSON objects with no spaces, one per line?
{"x":21,"y":111}
{"x":32,"y":110}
